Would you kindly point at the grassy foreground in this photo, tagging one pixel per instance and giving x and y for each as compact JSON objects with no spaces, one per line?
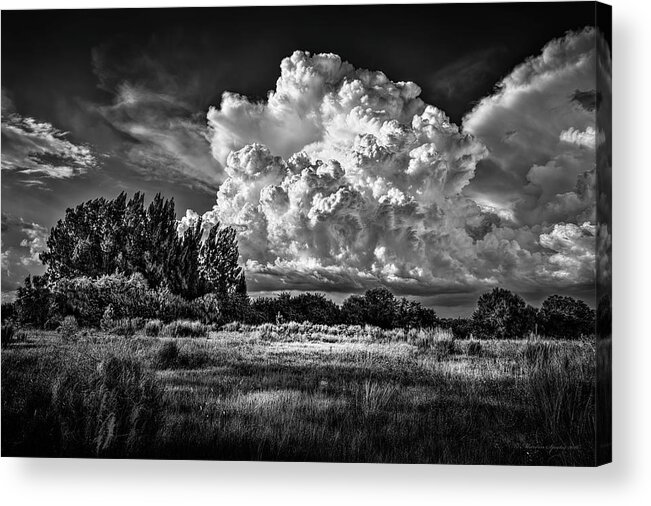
{"x":301,"y":392}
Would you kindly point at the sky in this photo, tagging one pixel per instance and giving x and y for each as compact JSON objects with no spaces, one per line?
{"x":437,"y":150}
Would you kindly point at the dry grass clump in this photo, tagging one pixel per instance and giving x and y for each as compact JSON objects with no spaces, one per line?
{"x":69,"y":329}
{"x":184,"y":328}
{"x":77,"y":403}
{"x":153,"y":328}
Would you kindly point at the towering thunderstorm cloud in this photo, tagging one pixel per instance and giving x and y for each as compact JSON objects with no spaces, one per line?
{"x":343,"y":179}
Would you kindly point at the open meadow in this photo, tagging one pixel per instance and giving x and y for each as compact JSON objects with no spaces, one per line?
{"x":300,"y":392}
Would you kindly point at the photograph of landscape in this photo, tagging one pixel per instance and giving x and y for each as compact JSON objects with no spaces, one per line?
{"x":371,"y":234}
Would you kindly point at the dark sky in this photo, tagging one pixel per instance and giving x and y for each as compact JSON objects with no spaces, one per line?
{"x":69,"y":69}
{"x":47,"y":55}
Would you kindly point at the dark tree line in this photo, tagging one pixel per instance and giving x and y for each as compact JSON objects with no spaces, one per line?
{"x":500,"y":314}
{"x":376,"y":307}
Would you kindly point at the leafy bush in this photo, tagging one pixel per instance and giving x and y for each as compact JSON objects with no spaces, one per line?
{"x":21,"y":336}
{"x":35,"y":303}
{"x":185,"y":328}
{"x":462,"y":328}
{"x":153,"y":328}
{"x":411,"y":314}
{"x":443,"y":348}
{"x":475,"y":348}
{"x":126,"y":327}
{"x":107,"y":318}
{"x":501,"y":314}
{"x":108,"y":297}
{"x":69,"y":328}
{"x":167,"y":355}
{"x":565,"y":317}
{"x":8,"y":311}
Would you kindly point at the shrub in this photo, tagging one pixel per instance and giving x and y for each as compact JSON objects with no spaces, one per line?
{"x":427,"y":338}
{"x":35,"y":303}
{"x":92,"y":301}
{"x":373,"y":397}
{"x":462,"y":328}
{"x":537,"y":352}
{"x":443,"y":348}
{"x":69,"y":328}
{"x":475,"y":348}
{"x":411,"y":314}
{"x":153,"y":328}
{"x":381,"y":307}
{"x":565,"y":317}
{"x":111,"y":410}
{"x":208,"y":308}
{"x":167,"y":355}
{"x":125,"y":327}
{"x":501,"y":314}
{"x":21,"y":336}
{"x":232,"y":327}
{"x":107,"y":318}
{"x":8,"y":311}
{"x":8,"y":332}
{"x":185,"y":328}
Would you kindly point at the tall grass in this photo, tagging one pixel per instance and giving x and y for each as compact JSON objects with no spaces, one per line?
{"x":298,"y":391}
{"x":560,"y":382}
{"x":184,"y":328}
{"x":73,"y":404}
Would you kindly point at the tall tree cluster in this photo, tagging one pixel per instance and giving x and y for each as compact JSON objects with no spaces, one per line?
{"x":103,"y":236}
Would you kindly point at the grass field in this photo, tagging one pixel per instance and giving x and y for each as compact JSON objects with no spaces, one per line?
{"x":301,"y":392}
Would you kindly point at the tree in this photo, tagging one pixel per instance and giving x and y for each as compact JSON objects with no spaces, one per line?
{"x":381,"y":306}
{"x":218,"y":262}
{"x":35,"y":303}
{"x":411,"y":314}
{"x":315,"y":308}
{"x":501,"y":314}
{"x":566,"y":317}
{"x":354,"y":310}
{"x":102,"y":237}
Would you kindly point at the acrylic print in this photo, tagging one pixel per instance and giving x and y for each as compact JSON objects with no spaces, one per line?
{"x":333,"y":234}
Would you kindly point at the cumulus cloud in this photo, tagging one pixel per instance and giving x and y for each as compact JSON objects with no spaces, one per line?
{"x":574,"y":251}
{"x":35,"y":150}
{"x":540,"y":129}
{"x":343,"y":179}
{"x":574,"y":136}
{"x":22,"y":242}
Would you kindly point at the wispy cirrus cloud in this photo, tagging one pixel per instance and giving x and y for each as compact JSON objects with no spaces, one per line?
{"x":158,"y":87}
{"x":36,"y":150}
